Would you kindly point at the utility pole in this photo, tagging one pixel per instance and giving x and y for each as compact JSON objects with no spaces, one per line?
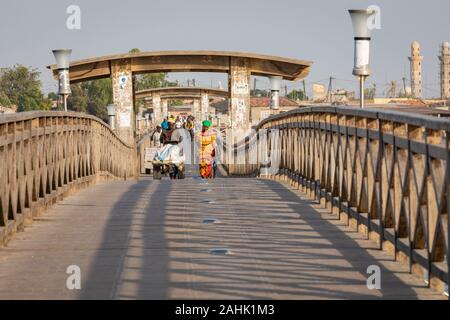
{"x":330,"y":89}
{"x":404,"y":86}
{"x":304,"y":91}
{"x":254,"y":87}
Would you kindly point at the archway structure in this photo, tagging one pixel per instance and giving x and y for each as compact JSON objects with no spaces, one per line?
{"x":199,"y":95}
{"x":239,"y":66}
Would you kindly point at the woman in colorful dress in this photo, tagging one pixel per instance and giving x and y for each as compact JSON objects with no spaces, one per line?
{"x":207,"y":143}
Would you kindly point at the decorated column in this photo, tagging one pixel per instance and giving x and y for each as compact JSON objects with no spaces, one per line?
{"x":122,"y":85}
{"x":196,"y":110}
{"x":239,"y":89}
{"x":204,"y":105}
{"x":165,"y":108}
{"x":156,"y":102}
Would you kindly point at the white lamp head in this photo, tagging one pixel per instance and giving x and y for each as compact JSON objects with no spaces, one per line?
{"x":62,"y":57}
{"x":360,"y":21}
{"x":362,"y":30}
{"x":275,"y":83}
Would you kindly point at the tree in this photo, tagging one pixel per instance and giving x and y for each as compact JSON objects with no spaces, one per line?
{"x":261,"y":93}
{"x":22,"y":87}
{"x":78,"y":100}
{"x":296,"y":94}
{"x":99,"y":94}
{"x":134,"y":50}
{"x":52,"y":96}
{"x":91,"y":97}
{"x":176,"y":102}
{"x":151,"y":80}
{"x":4,"y":100}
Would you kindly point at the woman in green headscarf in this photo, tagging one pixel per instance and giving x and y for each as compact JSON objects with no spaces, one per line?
{"x":207,"y":141}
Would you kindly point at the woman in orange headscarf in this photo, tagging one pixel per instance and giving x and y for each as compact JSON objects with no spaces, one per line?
{"x":207,"y":142}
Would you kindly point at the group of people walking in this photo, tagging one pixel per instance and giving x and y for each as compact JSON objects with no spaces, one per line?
{"x":173,"y":130}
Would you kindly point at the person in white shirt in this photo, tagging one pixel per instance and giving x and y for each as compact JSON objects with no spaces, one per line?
{"x":156,"y":137}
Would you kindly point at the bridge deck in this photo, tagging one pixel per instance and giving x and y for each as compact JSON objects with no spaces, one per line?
{"x":147,"y":239}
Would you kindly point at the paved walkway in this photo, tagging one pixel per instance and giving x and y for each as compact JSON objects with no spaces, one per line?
{"x":148,"y":240}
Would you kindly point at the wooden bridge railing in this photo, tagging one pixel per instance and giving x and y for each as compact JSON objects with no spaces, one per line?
{"x":387,"y":172}
{"x":46,"y":155}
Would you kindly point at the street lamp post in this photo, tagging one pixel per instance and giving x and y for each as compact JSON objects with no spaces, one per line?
{"x":362,"y":33}
{"x":111,"y":116}
{"x":275,"y":84}
{"x":62,"y":57}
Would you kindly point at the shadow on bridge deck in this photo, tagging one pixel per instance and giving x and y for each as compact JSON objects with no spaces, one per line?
{"x":152,"y":243}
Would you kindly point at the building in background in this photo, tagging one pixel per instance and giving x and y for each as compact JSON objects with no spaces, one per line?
{"x":445,"y":70}
{"x":319,"y":93}
{"x":259,"y":108}
{"x":416,"y":70}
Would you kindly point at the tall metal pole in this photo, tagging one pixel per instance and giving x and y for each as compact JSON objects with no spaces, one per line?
{"x":65,"y":102}
{"x":304,"y":90}
{"x":361,"y":90}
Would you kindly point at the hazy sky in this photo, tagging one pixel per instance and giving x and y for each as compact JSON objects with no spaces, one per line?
{"x":318,"y":30}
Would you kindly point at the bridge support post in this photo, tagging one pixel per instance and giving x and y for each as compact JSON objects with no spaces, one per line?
{"x":239,"y":90}
{"x":122,"y":85}
{"x":204,"y":105}
{"x":196,"y":110}
{"x":165,"y":108}
{"x":156,"y":102}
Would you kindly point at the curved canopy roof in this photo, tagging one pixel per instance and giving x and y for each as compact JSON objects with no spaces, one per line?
{"x":176,"y":92}
{"x":189,"y":61}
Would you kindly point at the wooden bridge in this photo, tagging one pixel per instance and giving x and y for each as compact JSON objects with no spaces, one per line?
{"x":331,"y":192}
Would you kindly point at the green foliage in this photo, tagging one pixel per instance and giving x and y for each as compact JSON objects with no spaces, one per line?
{"x":78,"y":100}
{"x":152,"y":80}
{"x":91,"y":97}
{"x":53,"y":96}
{"x":135,"y":50}
{"x":296,"y":94}
{"x":46,"y":104}
{"x":260,"y":93}
{"x":4,"y":100}
{"x":176,"y":102}
{"x":22,"y":87}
